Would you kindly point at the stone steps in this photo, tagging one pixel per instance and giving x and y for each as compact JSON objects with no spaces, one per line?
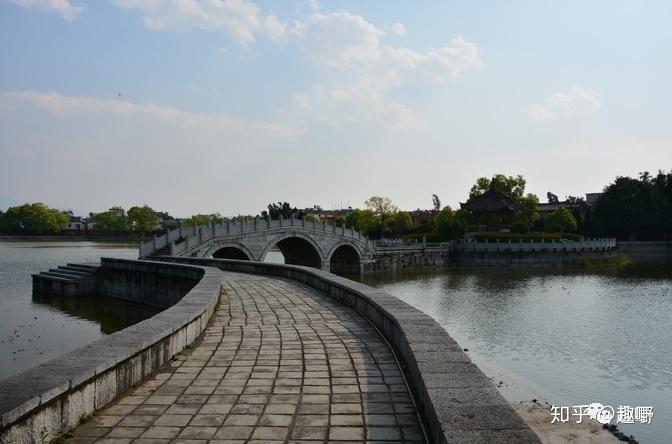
{"x":164,"y":251}
{"x":70,"y":273}
{"x":66,"y":280}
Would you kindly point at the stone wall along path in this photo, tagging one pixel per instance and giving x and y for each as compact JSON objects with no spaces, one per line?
{"x":279,"y":362}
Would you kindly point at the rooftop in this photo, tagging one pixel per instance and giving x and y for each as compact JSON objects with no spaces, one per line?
{"x":492,"y":201}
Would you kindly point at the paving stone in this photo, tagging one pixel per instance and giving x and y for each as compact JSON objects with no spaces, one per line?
{"x":272,"y":433}
{"x":346,"y":433}
{"x":210,"y":409}
{"x":198,"y":432}
{"x":276,"y":420}
{"x":161,"y":432}
{"x":137,"y":421}
{"x":309,"y":433}
{"x":125,"y":432}
{"x":207,"y":420}
{"x":234,"y":432}
{"x":241,"y":420}
{"x":173,"y":420}
{"x":383,"y":433}
{"x":347,"y":420}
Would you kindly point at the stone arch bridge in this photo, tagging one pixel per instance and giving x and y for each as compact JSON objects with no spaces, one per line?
{"x":319,"y":245}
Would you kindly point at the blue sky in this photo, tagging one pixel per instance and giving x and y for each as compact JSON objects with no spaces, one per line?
{"x":226,"y":105}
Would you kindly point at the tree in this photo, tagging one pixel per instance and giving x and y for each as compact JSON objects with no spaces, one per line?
{"x":573,"y":200}
{"x":142,"y":220}
{"x":552,"y":198}
{"x":514,"y":187}
{"x":635,"y":208}
{"x":204,"y":219}
{"x":401,"y":223}
{"x":113,"y":220}
{"x":310,"y":217}
{"x":530,"y":212}
{"x":662,"y":196}
{"x":381,"y":206}
{"x":365,"y":221}
{"x":562,"y":218}
{"x":283,"y":209}
{"x":436,"y":202}
{"x":449,"y":225}
{"x":35,"y":218}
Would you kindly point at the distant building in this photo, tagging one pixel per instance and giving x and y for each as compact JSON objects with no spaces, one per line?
{"x":492,"y":210}
{"x":119,"y":211}
{"x":75,"y":223}
{"x":166,"y":221}
{"x":591,"y":198}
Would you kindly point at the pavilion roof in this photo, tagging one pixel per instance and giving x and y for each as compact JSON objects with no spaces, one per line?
{"x":492,"y":201}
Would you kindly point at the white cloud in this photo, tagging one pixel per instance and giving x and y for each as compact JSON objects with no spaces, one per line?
{"x":312,"y":4}
{"x":576,"y":102}
{"x":398,"y":29}
{"x":66,"y":9}
{"x":63,"y":106}
{"x":360,"y":70}
{"x":240,"y":19}
{"x":339,"y":38}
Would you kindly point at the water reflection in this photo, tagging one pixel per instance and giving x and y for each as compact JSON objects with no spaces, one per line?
{"x":111,"y":314}
{"x":568,"y":336}
{"x":32,"y":331}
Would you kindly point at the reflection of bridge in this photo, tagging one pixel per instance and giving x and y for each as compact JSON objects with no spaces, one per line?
{"x":301,"y":242}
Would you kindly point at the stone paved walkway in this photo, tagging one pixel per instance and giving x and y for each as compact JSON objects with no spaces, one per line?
{"x":279,"y":362}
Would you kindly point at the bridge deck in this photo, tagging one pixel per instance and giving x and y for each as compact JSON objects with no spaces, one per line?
{"x":279,"y":362}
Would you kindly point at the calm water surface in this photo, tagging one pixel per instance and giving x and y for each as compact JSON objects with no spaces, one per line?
{"x":35,"y":329}
{"x":566,"y":337}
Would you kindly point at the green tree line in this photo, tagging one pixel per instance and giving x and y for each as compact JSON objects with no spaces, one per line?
{"x":35,"y":218}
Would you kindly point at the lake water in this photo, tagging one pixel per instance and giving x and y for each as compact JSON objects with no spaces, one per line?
{"x":569,"y":338}
{"x":35,"y":329}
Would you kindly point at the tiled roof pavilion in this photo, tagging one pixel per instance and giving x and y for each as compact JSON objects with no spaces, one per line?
{"x":492,"y":201}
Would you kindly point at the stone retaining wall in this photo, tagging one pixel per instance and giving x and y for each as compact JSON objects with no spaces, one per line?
{"x":401,"y":259}
{"x":457,"y":401}
{"x":42,"y":403}
{"x":146,"y":282}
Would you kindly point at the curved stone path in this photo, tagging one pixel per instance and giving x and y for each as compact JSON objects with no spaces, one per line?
{"x":279,"y":362}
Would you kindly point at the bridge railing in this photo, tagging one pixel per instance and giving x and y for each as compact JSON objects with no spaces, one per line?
{"x":399,"y":244}
{"x":603,"y":244}
{"x":184,"y":238}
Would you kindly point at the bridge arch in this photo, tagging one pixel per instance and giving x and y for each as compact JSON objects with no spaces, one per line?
{"x":297,"y":248}
{"x":345,"y":258}
{"x":229,"y":250}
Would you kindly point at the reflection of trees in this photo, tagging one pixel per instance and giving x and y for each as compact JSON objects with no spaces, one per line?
{"x":112,"y":314}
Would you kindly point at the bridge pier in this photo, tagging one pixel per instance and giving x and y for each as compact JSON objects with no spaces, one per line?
{"x":325,"y":265}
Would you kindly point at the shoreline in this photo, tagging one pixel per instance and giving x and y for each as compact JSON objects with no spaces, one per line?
{"x":538,"y":418}
{"x":528,"y":401}
{"x":123,"y":239}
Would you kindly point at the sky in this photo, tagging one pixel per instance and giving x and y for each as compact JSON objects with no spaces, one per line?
{"x":201,"y":106}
